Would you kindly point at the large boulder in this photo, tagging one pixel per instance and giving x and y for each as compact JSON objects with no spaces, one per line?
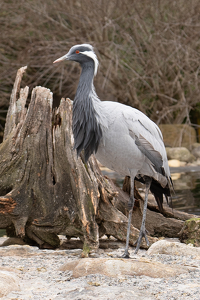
{"x":119,"y":267}
{"x":178,"y":135}
{"x":180,"y":153}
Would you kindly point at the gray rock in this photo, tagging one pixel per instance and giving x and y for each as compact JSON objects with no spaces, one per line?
{"x":8,"y":283}
{"x":121,"y":267}
{"x":180,"y":153}
{"x":173,"y":248}
{"x":12,"y":241}
{"x":196,"y":150}
{"x":18,"y":250}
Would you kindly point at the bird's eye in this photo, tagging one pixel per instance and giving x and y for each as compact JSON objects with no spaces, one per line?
{"x":77,"y":51}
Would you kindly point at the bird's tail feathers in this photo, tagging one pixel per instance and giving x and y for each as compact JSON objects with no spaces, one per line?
{"x":158,"y":191}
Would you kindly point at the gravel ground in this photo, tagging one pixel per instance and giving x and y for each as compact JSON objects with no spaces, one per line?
{"x":40,"y":278}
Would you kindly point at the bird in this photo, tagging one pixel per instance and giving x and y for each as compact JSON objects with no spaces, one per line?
{"x":121,"y":137}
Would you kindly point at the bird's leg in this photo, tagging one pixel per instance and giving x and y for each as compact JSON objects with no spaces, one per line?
{"x":130,"y":208}
{"x":142,"y":228}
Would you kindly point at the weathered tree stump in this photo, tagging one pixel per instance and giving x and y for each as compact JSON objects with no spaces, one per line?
{"x":45,"y":190}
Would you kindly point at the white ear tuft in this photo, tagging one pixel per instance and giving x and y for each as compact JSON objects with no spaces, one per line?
{"x":94,"y":57}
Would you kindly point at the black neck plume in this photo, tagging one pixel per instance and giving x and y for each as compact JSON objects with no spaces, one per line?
{"x":86,"y":126}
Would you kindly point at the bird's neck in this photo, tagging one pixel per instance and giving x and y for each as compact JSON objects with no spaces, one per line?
{"x":86,"y":121}
{"x":85,"y":85}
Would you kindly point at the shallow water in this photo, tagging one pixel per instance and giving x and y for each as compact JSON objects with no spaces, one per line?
{"x":187,"y":191}
{"x":2,"y":232}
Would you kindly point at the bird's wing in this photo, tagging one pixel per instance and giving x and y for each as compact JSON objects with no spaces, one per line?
{"x":148,"y":138}
{"x":148,"y":150}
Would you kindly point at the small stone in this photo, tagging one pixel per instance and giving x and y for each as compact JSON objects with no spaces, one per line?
{"x":175,"y":163}
{"x":94,"y":283}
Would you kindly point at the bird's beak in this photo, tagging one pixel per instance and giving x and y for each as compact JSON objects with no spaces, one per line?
{"x":65,"y":57}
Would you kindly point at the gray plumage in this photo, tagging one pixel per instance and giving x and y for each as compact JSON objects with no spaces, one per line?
{"x":121,"y":137}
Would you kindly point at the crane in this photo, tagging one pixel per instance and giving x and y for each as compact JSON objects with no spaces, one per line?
{"x":121,"y":137}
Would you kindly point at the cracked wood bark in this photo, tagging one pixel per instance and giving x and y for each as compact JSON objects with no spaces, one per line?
{"x":45,"y":190}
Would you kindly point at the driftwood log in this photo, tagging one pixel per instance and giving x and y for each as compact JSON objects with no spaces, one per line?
{"x":45,"y":190}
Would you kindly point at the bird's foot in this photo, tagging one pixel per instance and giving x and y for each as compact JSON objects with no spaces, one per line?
{"x":139,"y":240}
{"x":126,"y":254}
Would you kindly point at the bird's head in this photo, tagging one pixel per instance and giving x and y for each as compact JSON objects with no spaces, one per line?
{"x":83,"y":53}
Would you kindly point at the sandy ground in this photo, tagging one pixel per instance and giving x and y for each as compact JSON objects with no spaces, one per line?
{"x":39,"y":276}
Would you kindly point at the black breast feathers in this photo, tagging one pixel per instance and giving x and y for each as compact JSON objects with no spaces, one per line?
{"x":86,"y":128}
